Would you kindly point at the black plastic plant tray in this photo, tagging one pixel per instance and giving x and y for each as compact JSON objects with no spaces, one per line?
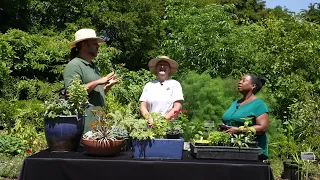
{"x":224,"y":152}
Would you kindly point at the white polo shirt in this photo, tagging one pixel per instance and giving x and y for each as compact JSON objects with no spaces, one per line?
{"x":160,"y":97}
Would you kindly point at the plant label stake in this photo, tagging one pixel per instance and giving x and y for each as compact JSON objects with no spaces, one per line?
{"x":307,"y":156}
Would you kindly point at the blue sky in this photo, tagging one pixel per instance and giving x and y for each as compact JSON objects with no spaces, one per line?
{"x":292,"y":5}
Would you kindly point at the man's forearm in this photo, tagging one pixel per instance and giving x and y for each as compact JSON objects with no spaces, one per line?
{"x":91,"y":85}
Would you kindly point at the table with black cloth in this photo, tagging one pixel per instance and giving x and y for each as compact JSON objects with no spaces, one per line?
{"x":47,"y":165}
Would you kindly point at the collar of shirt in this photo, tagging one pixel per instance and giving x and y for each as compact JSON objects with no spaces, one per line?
{"x":164,"y":84}
{"x":86,"y":62}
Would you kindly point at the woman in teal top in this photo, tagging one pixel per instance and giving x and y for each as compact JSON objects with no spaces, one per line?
{"x":249,"y":106}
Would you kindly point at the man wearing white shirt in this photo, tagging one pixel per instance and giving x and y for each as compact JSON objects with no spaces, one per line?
{"x":163,"y":95}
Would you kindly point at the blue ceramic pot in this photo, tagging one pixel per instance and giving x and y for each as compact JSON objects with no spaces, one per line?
{"x":63,"y":133}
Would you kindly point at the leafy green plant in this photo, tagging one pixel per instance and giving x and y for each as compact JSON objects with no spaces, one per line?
{"x":175,"y":123}
{"x":141,"y":131}
{"x":11,"y":145}
{"x":160,"y":127}
{"x":239,"y":140}
{"x":75,"y":103}
{"x":219,"y":138}
{"x":246,"y":135}
{"x":174,"y":127}
{"x":138,"y":128}
{"x":127,"y":119}
{"x":248,"y":132}
{"x":313,"y":166}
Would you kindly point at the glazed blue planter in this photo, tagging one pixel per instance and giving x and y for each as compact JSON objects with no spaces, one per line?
{"x":158,"y":148}
{"x":63,"y":133}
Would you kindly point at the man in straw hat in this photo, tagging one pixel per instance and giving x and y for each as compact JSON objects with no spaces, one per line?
{"x":84,"y":50}
{"x":163,"y":95}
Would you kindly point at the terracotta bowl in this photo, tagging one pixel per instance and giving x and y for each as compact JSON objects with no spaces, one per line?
{"x":93,"y":147}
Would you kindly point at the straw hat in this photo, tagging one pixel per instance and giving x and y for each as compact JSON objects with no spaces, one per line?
{"x":173,"y":64}
{"x":84,"y":34}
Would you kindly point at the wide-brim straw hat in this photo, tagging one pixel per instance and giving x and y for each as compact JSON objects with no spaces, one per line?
{"x":153,"y":63}
{"x":84,"y":34}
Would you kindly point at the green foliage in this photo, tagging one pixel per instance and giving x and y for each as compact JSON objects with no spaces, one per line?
{"x":313,"y":13}
{"x":253,"y":10}
{"x":6,"y":112}
{"x":176,"y":121}
{"x":130,"y":26}
{"x":313,"y":167}
{"x":248,"y":131}
{"x":174,"y":127}
{"x":27,"y":133}
{"x":138,"y":128}
{"x":193,"y":129}
{"x":195,"y":36}
{"x":239,"y":140}
{"x":29,"y":112}
{"x":140,"y":131}
{"x":129,"y":90}
{"x":211,"y":98}
{"x":11,"y":145}
{"x":124,"y":118}
{"x":160,"y":128}
{"x":276,"y":165}
{"x":76,"y":103}
{"x":217,"y":138}
{"x":281,"y":146}
{"x":10,"y":167}
{"x":104,"y":60}
{"x":35,"y":55}
{"x":304,"y":119}
{"x":35,"y":89}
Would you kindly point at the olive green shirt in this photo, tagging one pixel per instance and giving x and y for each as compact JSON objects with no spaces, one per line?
{"x":88,"y":72}
{"x":235,"y":114}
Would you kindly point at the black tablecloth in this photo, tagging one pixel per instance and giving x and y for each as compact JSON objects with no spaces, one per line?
{"x":48,"y":165}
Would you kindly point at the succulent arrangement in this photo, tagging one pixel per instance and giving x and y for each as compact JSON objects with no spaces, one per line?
{"x":104,"y":128}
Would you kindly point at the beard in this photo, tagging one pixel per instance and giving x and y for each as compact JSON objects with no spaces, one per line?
{"x":92,"y":52}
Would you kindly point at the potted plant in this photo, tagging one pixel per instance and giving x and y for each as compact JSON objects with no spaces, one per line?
{"x":64,"y":118}
{"x":226,"y":146}
{"x":105,"y":138}
{"x":151,"y":142}
{"x":174,"y":130}
{"x":247,"y":137}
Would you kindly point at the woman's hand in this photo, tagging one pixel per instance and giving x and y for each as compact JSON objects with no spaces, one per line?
{"x":150,"y":122}
{"x":232,"y":129}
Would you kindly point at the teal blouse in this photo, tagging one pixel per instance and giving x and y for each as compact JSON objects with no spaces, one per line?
{"x":233,"y":117}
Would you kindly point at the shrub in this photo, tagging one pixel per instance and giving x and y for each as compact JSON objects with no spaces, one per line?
{"x":11,"y":145}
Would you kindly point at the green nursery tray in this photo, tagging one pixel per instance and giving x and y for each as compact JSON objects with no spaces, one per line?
{"x":224,"y":152}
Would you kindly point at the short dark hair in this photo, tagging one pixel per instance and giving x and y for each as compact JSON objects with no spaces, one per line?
{"x":259,"y":81}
